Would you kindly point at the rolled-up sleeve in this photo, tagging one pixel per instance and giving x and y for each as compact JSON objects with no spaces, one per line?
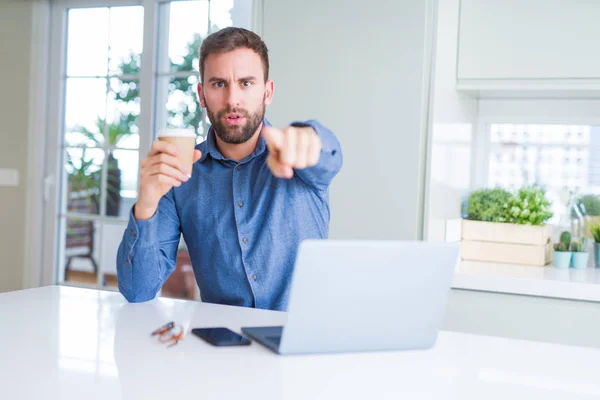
{"x":148,"y":252}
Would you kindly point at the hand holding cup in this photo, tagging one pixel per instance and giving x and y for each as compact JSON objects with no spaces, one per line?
{"x":168,"y":164}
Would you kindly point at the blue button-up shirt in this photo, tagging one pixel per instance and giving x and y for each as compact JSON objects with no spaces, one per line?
{"x":242,"y":227}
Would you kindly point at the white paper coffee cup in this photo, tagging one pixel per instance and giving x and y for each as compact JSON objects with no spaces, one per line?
{"x":185,"y":141}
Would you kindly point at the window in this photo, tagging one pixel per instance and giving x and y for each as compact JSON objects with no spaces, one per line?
{"x":120,"y":81}
{"x":177,"y":75}
{"x":101,"y":135}
{"x":562,"y":158}
{"x":547,"y":142}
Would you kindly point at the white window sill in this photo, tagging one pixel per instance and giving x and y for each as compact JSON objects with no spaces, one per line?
{"x":574,"y":284}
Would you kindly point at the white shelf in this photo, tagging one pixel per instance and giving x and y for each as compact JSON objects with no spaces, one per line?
{"x":530,"y":88}
{"x":574,"y":284}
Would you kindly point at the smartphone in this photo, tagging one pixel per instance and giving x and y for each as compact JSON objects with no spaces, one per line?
{"x":220,"y":337}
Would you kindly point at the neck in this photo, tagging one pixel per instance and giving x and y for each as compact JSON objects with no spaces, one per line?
{"x":238,"y":151}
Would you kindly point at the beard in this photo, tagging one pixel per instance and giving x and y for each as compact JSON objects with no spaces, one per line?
{"x":236,"y":134}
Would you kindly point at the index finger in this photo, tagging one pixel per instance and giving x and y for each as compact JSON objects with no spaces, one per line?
{"x":162,"y":147}
{"x":273,"y":137}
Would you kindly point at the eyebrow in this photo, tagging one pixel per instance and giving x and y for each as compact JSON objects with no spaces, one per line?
{"x":243,"y":79}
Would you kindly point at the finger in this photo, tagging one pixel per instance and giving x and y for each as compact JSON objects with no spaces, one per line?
{"x":302,"y":149}
{"x":166,"y":180}
{"x":288,"y":153}
{"x":274,"y":166}
{"x":197,"y":155}
{"x":164,"y":158}
{"x":273,"y":137}
{"x":162,"y":147}
{"x":278,"y":169}
{"x":165,"y":169}
{"x":314,"y":152}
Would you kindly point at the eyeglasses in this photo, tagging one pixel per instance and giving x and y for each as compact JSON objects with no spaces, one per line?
{"x":169,"y":333}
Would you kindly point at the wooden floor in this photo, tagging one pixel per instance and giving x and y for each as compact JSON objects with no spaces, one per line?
{"x":90,"y":278}
{"x":110,"y":280}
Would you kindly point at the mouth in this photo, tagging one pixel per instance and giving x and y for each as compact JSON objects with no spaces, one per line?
{"x":233,"y":118}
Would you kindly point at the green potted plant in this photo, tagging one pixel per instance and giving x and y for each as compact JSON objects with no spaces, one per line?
{"x":115,"y":132}
{"x":83,"y":181}
{"x":590,"y":204}
{"x":580,"y":254}
{"x":562,"y":251}
{"x":488,"y":205}
{"x":506,"y":227}
{"x":595,"y":231}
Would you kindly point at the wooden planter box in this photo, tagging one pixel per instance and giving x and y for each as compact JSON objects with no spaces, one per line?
{"x":506,"y":243}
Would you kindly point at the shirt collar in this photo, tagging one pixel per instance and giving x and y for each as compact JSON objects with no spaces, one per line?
{"x":210,"y":146}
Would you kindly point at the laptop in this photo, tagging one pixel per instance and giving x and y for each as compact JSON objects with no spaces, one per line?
{"x":358,"y":296}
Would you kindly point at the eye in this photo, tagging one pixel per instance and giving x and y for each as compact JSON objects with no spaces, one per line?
{"x":219,"y":84}
{"x":247,"y":83}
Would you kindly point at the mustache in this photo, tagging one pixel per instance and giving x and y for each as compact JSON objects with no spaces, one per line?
{"x":228,"y":110}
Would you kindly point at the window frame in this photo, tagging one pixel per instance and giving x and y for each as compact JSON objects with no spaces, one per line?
{"x":56,"y":40}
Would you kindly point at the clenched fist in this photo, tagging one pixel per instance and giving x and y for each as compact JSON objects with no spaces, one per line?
{"x":291,"y":148}
{"x":160,"y":172}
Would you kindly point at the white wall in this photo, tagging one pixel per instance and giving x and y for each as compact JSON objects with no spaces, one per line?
{"x":454,"y":123}
{"x":363,"y":70}
{"x":15,"y":49}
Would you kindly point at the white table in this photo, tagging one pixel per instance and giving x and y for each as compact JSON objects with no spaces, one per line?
{"x":67,"y":343}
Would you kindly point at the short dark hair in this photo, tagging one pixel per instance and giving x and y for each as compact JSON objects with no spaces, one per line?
{"x":232,"y":38}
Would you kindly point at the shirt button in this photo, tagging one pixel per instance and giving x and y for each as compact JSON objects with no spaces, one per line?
{"x":254,"y":277}
{"x":132,"y":233}
{"x":245,"y":240}
{"x":240,"y":203}
{"x":238,"y":167}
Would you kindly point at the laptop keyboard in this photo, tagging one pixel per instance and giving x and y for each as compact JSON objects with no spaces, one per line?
{"x":274,"y":339}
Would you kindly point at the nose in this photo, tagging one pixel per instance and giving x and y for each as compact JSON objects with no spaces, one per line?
{"x":234,"y":96}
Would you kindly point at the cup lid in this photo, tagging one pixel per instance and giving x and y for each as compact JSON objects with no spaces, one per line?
{"x":177,"y":132}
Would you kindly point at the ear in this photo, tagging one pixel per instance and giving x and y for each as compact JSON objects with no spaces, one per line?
{"x":269,"y":91}
{"x":201,"y":96}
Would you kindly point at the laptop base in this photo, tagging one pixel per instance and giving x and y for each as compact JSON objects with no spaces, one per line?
{"x":268,"y":336}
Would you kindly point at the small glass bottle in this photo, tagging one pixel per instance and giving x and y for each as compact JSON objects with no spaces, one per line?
{"x":587,"y":219}
{"x":587,"y":234}
{"x":572,"y":219}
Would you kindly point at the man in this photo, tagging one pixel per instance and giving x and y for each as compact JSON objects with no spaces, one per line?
{"x":254,"y":194}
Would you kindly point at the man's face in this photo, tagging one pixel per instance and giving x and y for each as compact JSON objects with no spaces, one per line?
{"x":235,"y":94}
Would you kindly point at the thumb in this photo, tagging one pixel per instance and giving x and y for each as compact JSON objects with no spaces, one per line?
{"x":197,"y":155}
{"x":273,"y":137}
